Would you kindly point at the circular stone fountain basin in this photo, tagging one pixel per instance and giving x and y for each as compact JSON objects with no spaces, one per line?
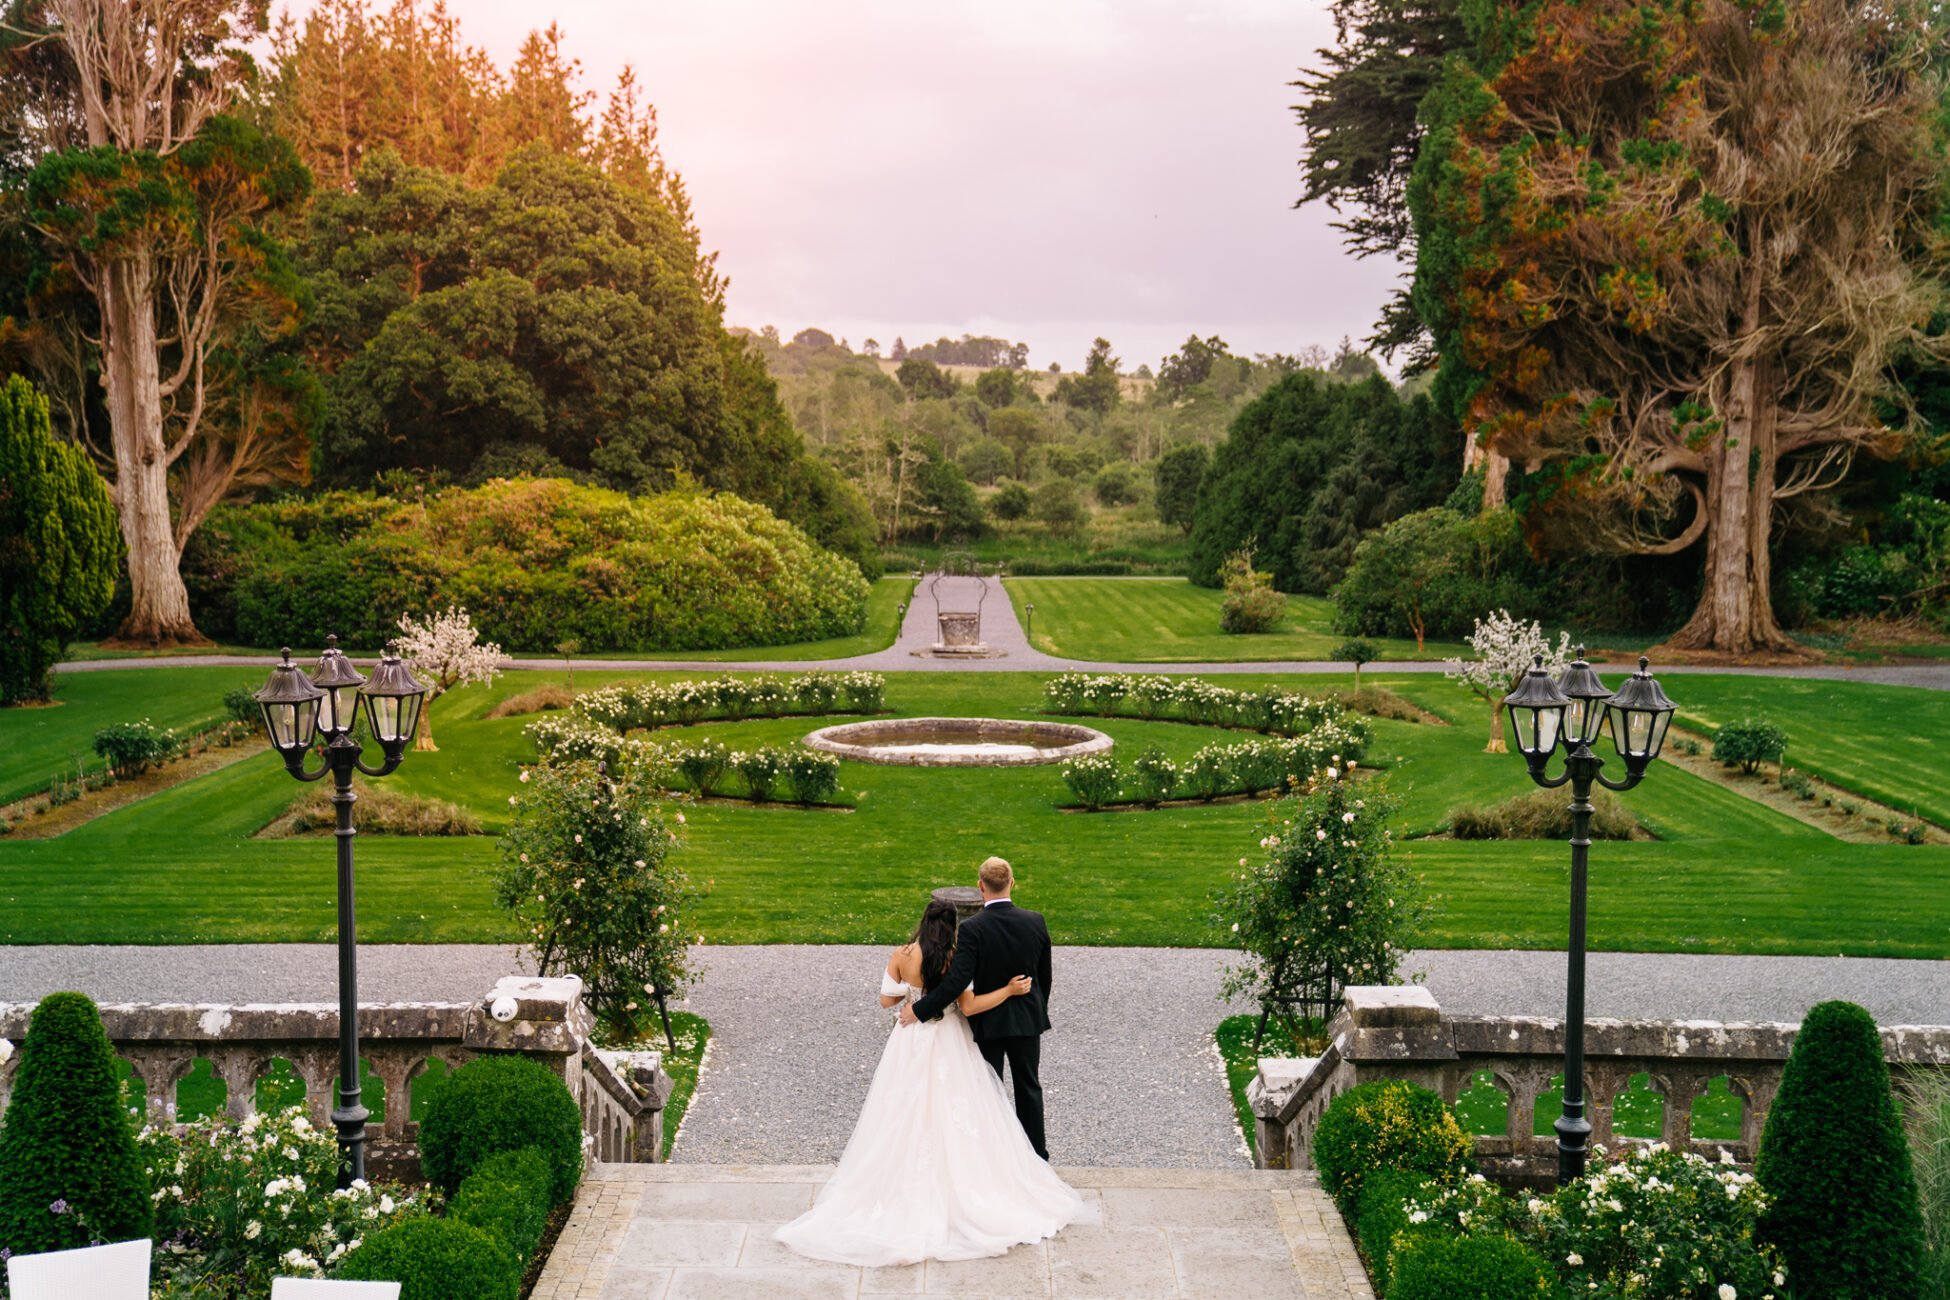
{"x":958,"y":742}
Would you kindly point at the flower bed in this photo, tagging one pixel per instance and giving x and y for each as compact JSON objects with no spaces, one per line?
{"x":1154,"y":697}
{"x":1250,"y":768}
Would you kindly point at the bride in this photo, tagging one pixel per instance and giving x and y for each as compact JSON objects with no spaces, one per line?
{"x":938,"y":1166}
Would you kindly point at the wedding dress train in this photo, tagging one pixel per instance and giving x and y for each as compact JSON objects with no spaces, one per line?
{"x":938,"y":1166}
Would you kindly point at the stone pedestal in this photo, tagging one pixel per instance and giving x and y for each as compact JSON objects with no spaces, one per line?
{"x":967,"y":899}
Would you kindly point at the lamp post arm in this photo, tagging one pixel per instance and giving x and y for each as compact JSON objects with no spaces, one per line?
{"x":386,"y":767}
{"x":1537,"y":768}
{"x":1631,"y":779}
{"x":295,"y":764}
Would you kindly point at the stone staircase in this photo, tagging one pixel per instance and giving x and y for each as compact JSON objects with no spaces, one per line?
{"x":704,"y":1232}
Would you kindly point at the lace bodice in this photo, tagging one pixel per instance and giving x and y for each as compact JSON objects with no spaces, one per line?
{"x":893,"y":988}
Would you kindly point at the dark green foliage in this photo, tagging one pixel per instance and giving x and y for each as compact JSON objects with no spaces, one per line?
{"x":1389,"y":1124}
{"x":507,"y":1196}
{"x":1011,"y":501}
{"x":1153,"y":776}
{"x":501,"y":1103}
{"x":948,"y":506}
{"x":551,"y":322}
{"x":59,"y":544}
{"x":1748,"y":743}
{"x":1383,"y":1216}
{"x":922,"y":378}
{"x":1178,"y":474}
{"x":1251,"y":605}
{"x":1475,"y":1268}
{"x":1433,"y":574}
{"x":1312,"y":465}
{"x":1836,"y":1167}
{"x":814,"y":777}
{"x":1097,"y":388}
{"x":241,"y":706}
{"x":1116,"y":484}
{"x":131,"y":748}
{"x":437,"y":1259}
{"x":66,"y":1139}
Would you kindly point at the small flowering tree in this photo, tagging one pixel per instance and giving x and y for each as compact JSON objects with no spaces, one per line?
{"x":445,"y":651}
{"x":585,"y":872}
{"x":1505,"y":648}
{"x":1328,"y":901}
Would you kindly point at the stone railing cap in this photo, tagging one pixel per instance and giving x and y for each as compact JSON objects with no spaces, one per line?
{"x":539,"y":997}
{"x":1391,"y":1006}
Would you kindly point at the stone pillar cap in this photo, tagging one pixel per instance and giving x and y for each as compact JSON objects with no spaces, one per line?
{"x":1391,"y":1006}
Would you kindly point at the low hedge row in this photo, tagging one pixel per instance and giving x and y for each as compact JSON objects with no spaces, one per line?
{"x":1187,"y":699}
{"x":1247,"y":768}
{"x":767,"y":771}
{"x":503,"y":1138}
{"x":637,"y":706}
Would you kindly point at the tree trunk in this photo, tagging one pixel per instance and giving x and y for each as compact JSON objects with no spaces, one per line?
{"x":160,"y":606}
{"x":423,"y":737}
{"x":1736,"y":611}
{"x":1496,"y":745}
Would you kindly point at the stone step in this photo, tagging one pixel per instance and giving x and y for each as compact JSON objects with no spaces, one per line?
{"x":700,"y":1232}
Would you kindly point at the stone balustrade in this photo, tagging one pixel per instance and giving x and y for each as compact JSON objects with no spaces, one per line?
{"x":1400,"y":1032}
{"x":621,"y":1094}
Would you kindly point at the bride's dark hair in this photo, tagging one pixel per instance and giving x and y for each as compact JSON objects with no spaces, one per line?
{"x":936,"y":935}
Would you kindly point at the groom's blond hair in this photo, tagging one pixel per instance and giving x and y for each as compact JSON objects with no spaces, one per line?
{"x":995,"y":876}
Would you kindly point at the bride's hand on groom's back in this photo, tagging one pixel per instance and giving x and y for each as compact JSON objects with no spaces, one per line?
{"x":1020,"y":985}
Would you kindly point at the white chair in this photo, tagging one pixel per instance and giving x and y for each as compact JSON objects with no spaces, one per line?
{"x":117,"y":1272}
{"x":311,"y":1288}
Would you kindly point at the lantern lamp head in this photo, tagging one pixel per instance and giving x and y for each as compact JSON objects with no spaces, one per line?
{"x":393,"y":701}
{"x":1584,"y":715}
{"x":339,"y":682}
{"x":1537,"y":713}
{"x":1640,"y":714}
{"x":290,"y":704}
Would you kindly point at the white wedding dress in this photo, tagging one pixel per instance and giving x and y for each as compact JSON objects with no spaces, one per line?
{"x":938,"y":1166}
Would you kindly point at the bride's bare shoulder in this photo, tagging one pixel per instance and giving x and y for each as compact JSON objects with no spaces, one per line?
{"x":901,"y":959}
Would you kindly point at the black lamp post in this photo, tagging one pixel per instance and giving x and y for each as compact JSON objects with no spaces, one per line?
{"x":297,"y":710}
{"x":1574,"y":710}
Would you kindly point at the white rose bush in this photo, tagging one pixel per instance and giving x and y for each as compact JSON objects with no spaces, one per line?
{"x":238,"y":1203}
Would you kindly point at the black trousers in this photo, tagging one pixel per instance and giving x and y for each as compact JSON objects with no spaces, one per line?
{"x":1024,"y":1055}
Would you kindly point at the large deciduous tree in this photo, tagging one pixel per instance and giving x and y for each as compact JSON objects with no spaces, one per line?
{"x":1669,"y":252}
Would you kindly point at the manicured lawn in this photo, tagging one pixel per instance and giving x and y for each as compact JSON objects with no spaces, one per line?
{"x":1891,"y":743}
{"x":1726,"y":876}
{"x":1168,"y":620}
{"x":36,"y":743}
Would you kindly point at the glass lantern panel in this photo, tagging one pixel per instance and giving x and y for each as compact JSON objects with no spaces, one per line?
{"x":409,"y":714}
{"x":1524,"y":723}
{"x":384,"y":712}
{"x":281,"y":720}
{"x":1548,"y":722}
{"x":1574,"y":716}
{"x":307,"y":721}
{"x":1638,"y":731}
{"x":1659,"y":732}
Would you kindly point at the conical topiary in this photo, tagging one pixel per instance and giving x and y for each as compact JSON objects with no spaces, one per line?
{"x":1835,"y":1166}
{"x":69,"y":1172}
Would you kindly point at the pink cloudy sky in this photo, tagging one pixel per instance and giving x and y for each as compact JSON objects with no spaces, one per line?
{"x":1045,"y":170}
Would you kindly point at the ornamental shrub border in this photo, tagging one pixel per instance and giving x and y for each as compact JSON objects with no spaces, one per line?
{"x":1250,"y":768}
{"x":703,"y":770}
{"x":1154,"y":697}
{"x":645,"y":706}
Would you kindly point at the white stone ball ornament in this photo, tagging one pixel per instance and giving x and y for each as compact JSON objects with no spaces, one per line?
{"x":504,"y":1008}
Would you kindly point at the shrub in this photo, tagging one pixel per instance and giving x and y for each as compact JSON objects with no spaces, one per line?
{"x":1094,"y":779}
{"x":542,"y":699}
{"x":1116,"y":484}
{"x":815,"y":692}
{"x":865,"y":692}
{"x":536,"y":561}
{"x":1541,"y":815}
{"x":1797,"y":784}
{"x":241,"y":706}
{"x":379,"y":811}
{"x":1836,"y":1168}
{"x":585,"y":872}
{"x":1328,"y":899}
{"x":69,"y":1170}
{"x":1151,"y":695}
{"x":1057,"y":506}
{"x":761,"y":769}
{"x":242,"y":1202}
{"x":495,"y":1104}
{"x":1748,"y":743}
{"x":1658,"y":1223}
{"x":437,"y":1259}
{"x":507,"y":1195}
{"x":1209,"y":774}
{"x":131,"y":748}
{"x":1153,"y":776}
{"x":1105,"y":690}
{"x":1011,"y":501}
{"x":1250,"y":605}
{"x":62,"y":547}
{"x":815,"y":777}
{"x":704,"y":766}
{"x":1479,"y":1268}
{"x":1388,"y":1124}
{"x":1383,"y":1217}
{"x":1261,"y":765}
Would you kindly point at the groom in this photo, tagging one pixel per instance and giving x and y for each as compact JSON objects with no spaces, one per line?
{"x":993,"y":947}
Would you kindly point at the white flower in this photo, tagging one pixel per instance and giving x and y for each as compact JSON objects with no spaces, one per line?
{"x":1726,"y":1291}
{"x":1333,"y":774}
{"x":680,"y":819}
{"x":639,"y":864}
{"x":386,"y":1205}
{"x":1418,"y":1216}
{"x":663,"y":929}
{"x":1347,"y":818}
{"x":251,"y":1230}
{"x":1320,"y":835}
{"x":578,"y":839}
{"x":6,"y":1051}
{"x":1235,"y":927}
{"x":1780,"y":1279}
{"x":1574,"y":1259}
{"x":524,"y":775}
{"x":511,"y":799}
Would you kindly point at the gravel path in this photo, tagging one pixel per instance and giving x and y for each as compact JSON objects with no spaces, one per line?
{"x":1130,"y":1075}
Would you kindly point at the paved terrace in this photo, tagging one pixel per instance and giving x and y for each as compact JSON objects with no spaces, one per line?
{"x":674,"y":1232}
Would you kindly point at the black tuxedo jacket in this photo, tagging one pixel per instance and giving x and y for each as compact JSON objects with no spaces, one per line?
{"x":992,"y":948}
